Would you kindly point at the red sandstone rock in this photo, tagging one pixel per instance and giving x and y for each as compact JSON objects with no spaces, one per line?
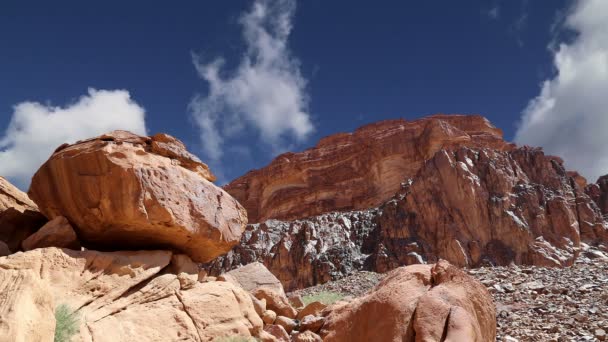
{"x":121,"y":190}
{"x":417,"y":303}
{"x":472,"y":207}
{"x":360,"y":170}
{"x":19,"y":216}
{"x":56,"y":233}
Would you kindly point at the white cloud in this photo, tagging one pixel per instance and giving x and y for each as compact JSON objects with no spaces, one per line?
{"x":494,"y":12}
{"x":569,"y":117}
{"x":35,"y":130}
{"x":266,"y":92}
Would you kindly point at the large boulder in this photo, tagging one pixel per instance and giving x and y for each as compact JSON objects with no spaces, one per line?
{"x":124,"y":191}
{"x":118,"y":296}
{"x":19,"y":216}
{"x":417,"y":303}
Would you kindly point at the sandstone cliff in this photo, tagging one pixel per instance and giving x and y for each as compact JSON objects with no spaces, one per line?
{"x":353,"y":171}
{"x":472,"y":201}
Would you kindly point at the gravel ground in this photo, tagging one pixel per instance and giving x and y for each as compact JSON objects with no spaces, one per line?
{"x":532,"y":303}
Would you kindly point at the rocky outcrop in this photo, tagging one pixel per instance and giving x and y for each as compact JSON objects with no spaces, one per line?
{"x":354,"y":171}
{"x":305,"y":252}
{"x":471,"y":207}
{"x":19,"y":216}
{"x":417,"y":303}
{"x":118,"y":296}
{"x":599,"y":193}
{"x":123,"y":191}
{"x":56,"y":233}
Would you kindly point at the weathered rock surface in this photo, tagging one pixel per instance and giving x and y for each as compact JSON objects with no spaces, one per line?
{"x":56,"y":233}
{"x":119,"y":296}
{"x":19,"y":216}
{"x":533,"y":303}
{"x":474,"y":207}
{"x":471,"y":207}
{"x":123,"y":191}
{"x":305,"y":252}
{"x":353,"y":171}
{"x":418,"y":302}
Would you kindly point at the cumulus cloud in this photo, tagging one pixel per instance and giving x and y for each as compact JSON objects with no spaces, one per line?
{"x":265,"y":93}
{"x":36,"y":129}
{"x":569,"y":117}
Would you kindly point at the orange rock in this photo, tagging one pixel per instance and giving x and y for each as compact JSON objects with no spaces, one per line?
{"x":311,"y":323}
{"x":447,"y":304}
{"x":56,"y":233}
{"x":278,"y":332}
{"x":121,"y":190}
{"x":360,"y":170}
{"x":275,"y":301}
{"x":120,"y":296}
{"x":19,"y":216}
{"x":314,"y":308}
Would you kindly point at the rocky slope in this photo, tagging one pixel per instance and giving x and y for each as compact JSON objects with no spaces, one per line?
{"x":470,"y":206}
{"x":532,"y":303}
{"x":359,"y":170}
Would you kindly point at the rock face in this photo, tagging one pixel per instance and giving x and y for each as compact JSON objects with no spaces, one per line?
{"x":119,"y":296}
{"x":353,"y":171}
{"x":56,"y":233}
{"x":123,"y":191}
{"x":19,"y":216}
{"x":417,"y":303}
{"x":305,"y":252}
{"x":474,"y":207}
{"x":471,"y":207}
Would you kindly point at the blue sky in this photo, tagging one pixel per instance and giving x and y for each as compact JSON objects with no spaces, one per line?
{"x":308,"y":69}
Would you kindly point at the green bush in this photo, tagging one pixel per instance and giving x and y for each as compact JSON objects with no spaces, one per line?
{"x":324,"y":297}
{"x":66,"y":323}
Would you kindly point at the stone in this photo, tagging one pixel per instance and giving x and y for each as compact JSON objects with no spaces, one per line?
{"x":275,"y":301}
{"x":56,"y":233}
{"x":269,"y":317}
{"x":314,"y":308}
{"x":121,"y":190}
{"x":119,"y":296}
{"x":287,"y":323}
{"x":306,"y":336}
{"x":278,"y":332}
{"x":27,"y":313}
{"x":296,"y":301}
{"x":252,"y":277}
{"x":311,"y":323}
{"x":448,"y":304}
{"x":600,"y":334}
{"x":19,"y":216}
{"x":354,"y":171}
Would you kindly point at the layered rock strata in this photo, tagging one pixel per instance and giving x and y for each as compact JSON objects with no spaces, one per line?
{"x":359,"y":170}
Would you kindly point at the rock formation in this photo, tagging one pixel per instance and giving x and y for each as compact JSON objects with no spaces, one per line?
{"x":119,"y":296}
{"x":417,"y":303}
{"x":485,"y":206}
{"x":120,"y":190}
{"x":353,"y":171}
{"x":19,"y":216}
{"x":305,"y":252}
{"x":494,"y":205}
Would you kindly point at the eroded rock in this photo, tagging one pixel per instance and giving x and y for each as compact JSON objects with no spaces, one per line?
{"x":123,"y":191}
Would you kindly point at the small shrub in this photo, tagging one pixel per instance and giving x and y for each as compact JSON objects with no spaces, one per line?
{"x":324,"y":297}
{"x":66,"y":323}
